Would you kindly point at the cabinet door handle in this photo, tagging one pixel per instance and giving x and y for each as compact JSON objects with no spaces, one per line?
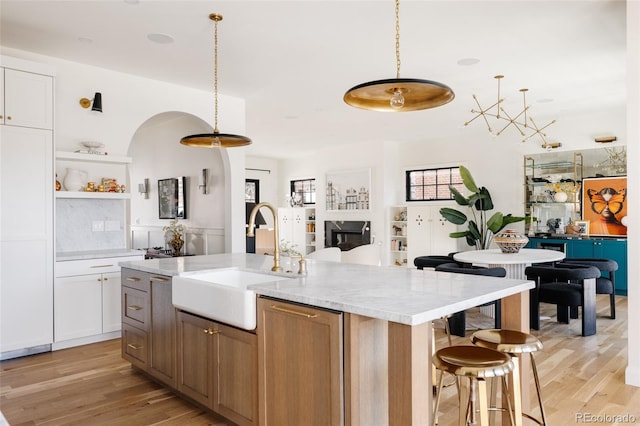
{"x":134,"y":279}
{"x":134,"y":347}
{"x":134,"y":307}
{"x":209,"y":331}
{"x":101,"y":266}
{"x":161,"y":279}
{"x":291,"y":311}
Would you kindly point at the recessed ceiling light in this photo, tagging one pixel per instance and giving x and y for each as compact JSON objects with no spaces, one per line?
{"x":468,"y":61}
{"x":160,"y":38}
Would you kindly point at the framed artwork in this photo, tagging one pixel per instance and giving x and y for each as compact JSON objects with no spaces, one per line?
{"x":172,"y":198}
{"x":604,"y":205}
{"x":252,"y":191}
{"x":348,"y":191}
{"x":583,"y":227}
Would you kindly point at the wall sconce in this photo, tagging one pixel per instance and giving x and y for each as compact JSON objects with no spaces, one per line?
{"x":95,"y":103}
{"x":143,"y":188}
{"x":203,"y":179}
{"x":551,"y":145}
{"x":606,"y":139}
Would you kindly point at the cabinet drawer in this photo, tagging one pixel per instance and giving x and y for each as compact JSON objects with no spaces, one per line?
{"x":134,"y":345}
{"x":135,"y":279}
{"x":135,"y":308}
{"x":91,"y":266}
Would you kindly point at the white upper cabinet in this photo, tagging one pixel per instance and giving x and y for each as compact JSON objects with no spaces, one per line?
{"x":28,"y":99}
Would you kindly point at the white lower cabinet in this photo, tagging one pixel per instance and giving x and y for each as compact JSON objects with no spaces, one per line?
{"x":87,"y":296}
{"x":428,"y":233}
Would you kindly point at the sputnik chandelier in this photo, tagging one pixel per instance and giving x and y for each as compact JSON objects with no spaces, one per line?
{"x":520,"y":122}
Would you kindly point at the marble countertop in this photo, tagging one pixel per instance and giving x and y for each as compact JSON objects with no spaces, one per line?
{"x":403,"y":295}
{"x":96,"y":254}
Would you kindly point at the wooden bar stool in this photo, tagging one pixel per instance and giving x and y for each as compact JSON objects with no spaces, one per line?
{"x":513,"y":343}
{"x":477,"y":364}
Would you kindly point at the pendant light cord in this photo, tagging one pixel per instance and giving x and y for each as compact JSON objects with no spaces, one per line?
{"x":397,"y":38}
{"x":215,"y":72}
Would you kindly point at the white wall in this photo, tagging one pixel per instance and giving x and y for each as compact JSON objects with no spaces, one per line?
{"x":129,"y":101}
{"x":633,"y":159}
{"x":266,"y":171}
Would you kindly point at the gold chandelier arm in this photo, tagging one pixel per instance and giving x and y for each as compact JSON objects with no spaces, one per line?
{"x":524,"y":104}
{"x":499,"y":77}
{"x":512,"y":121}
{"x":538,"y":131}
{"x":483,"y":112}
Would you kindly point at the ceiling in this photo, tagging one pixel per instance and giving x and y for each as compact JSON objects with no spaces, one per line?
{"x":293,"y":60}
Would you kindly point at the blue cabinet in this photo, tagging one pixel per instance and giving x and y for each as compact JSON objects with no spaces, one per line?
{"x":591,"y":247}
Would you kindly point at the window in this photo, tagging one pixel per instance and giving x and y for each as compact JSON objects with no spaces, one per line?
{"x":432,"y":184}
{"x":304,"y":190}
{"x":252,"y":191}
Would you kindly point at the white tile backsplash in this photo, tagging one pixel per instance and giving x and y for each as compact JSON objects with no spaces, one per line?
{"x":90,"y":224}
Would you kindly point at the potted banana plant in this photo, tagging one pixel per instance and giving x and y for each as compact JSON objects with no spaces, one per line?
{"x":481,"y":227}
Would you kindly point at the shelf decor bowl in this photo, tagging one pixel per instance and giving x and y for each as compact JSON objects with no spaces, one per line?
{"x":509,"y":241}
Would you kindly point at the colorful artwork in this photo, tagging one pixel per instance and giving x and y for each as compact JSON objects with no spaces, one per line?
{"x":604,"y":205}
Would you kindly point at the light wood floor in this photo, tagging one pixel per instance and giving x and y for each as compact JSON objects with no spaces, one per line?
{"x":92,"y":385}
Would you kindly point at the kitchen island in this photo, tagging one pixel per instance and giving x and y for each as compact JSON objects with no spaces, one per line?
{"x":386,"y":329}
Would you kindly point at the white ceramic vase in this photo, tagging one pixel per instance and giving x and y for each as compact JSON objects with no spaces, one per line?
{"x":75,"y":180}
{"x":560,"y":197}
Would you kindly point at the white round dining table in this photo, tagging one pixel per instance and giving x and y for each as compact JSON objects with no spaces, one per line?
{"x":514,"y":263}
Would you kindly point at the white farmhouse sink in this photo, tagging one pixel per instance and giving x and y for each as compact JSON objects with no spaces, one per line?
{"x":220,"y":295}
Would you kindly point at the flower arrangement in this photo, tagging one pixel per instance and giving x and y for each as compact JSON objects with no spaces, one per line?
{"x":287,"y":248}
{"x":174,"y":228}
{"x":569,"y":187}
{"x":173,"y":235}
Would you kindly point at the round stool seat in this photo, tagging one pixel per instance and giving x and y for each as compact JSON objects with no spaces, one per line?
{"x":509,"y":341}
{"x":473,"y":361}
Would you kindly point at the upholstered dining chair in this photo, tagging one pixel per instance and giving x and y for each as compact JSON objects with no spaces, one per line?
{"x":331,"y":254}
{"x":368,"y":254}
{"x":567,"y":286}
{"x":457,"y":321}
{"x":431,"y":261}
{"x":606,"y":283}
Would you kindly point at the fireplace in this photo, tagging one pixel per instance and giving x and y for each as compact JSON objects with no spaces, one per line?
{"x":346,"y":234}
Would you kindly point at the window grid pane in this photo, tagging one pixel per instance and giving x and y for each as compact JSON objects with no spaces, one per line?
{"x":432,"y":184}
{"x":305,"y":189}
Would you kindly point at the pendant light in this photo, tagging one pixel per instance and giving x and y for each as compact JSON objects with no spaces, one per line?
{"x":399,"y":94}
{"x":215,"y":139}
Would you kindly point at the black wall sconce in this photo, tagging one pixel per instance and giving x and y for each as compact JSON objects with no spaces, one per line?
{"x":95,"y":103}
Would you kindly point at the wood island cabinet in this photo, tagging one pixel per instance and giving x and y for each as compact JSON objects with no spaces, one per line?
{"x":300,"y":364}
{"x":149,"y":324}
{"x":213,"y":364}
{"x":218,"y":367}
